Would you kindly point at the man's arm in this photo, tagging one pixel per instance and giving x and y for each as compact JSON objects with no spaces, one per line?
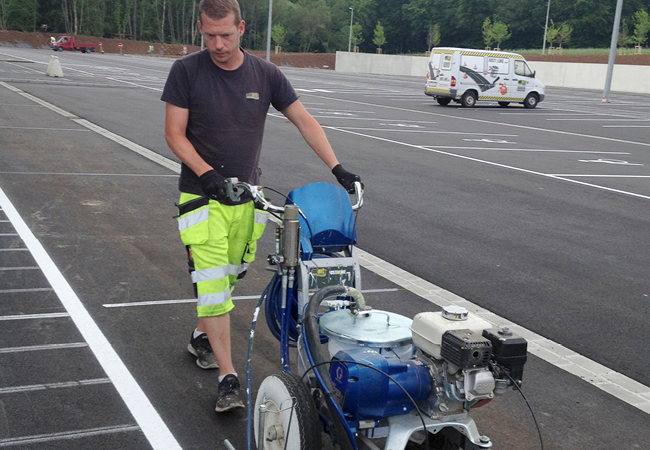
{"x":175,"y":127}
{"x":312,"y":132}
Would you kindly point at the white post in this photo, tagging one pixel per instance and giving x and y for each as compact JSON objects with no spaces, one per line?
{"x":548,"y":10}
{"x":268,"y":33}
{"x":350,"y":40}
{"x":612,"y":50}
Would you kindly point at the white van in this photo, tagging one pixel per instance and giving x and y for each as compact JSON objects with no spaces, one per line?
{"x":465,"y":75}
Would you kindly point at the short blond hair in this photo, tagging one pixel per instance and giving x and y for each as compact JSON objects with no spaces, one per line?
{"x":218,"y":9}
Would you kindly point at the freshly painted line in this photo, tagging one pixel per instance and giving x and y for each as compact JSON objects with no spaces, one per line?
{"x":50,"y":106}
{"x":134,"y":84}
{"x":144,"y":413}
{"x":13,"y":249}
{"x":34,"y":316}
{"x":42,"y":128}
{"x":525,"y":150}
{"x":393,"y":130}
{"x":20,"y":268}
{"x":33,"y":348}
{"x":598,"y":176}
{"x":153,"y":156}
{"x":504,"y":166}
{"x":193,"y":300}
{"x":18,"y":291}
{"x":593,"y":119}
{"x":41,"y":387}
{"x":626,"y":126}
{"x":618,"y":385}
{"x":8,"y":234}
{"x":83,"y":174}
{"x":41,"y":438}
{"x":513,"y":125}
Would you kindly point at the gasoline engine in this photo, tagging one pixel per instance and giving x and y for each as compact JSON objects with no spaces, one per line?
{"x":446,"y":362}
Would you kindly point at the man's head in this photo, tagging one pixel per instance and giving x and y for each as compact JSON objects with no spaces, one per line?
{"x":221,"y":27}
{"x":218,"y":9}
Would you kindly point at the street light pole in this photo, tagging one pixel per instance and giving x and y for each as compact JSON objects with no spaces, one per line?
{"x":268,"y":33}
{"x":548,"y":9}
{"x":612,"y":50}
{"x":350,"y":40}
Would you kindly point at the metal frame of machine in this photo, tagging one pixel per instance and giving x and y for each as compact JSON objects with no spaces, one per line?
{"x":387,"y":376}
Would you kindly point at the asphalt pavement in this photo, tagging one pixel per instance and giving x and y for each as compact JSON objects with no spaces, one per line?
{"x":533,"y":218}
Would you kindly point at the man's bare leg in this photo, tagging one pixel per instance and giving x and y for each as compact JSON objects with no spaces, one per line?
{"x":218,"y":331}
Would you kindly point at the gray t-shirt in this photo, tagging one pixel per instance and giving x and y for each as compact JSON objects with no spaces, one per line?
{"x":227,"y":112}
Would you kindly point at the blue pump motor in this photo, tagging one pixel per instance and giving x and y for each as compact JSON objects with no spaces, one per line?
{"x":369,"y":394}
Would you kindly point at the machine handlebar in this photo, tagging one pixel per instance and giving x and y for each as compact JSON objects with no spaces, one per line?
{"x":235,"y":189}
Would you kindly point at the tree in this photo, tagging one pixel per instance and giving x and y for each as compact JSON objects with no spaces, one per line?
{"x":488,"y":37}
{"x":564,"y":33}
{"x":357,"y":34}
{"x":641,"y":27}
{"x":551,"y":33}
{"x":500,"y":33}
{"x":379,"y":39}
{"x":433,"y":37}
{"x":624,"y":38}
{"x":278,"y":35}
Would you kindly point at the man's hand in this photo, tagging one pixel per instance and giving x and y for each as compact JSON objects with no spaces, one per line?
{"x":214,"y":185}
{"x":345,"y":178}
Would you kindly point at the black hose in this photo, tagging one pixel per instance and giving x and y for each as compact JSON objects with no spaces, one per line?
{"x":313,"y":343}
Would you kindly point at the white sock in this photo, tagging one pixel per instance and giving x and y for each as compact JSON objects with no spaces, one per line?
{"x":221,"y":377}
{"x":198,"y":333}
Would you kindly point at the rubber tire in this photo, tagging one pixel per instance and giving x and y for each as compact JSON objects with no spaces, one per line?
{"x":442,"y":101}
{"x":468,"y":100}
{"x":504,"y":104}
{"x":531,"y":100}
{"x":276,"y":392}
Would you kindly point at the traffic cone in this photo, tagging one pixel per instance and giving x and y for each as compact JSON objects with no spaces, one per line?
{"x":54,"y":67}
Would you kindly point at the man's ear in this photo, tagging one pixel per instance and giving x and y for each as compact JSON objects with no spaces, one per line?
{"x":198,"y":23}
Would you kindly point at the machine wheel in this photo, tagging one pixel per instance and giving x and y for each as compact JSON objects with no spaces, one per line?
{"x":531,"y":100}
{"x":442,"y":101}
{"x":299,"y":426}
{"x":503,"y":104}
{"x":468,"y":100}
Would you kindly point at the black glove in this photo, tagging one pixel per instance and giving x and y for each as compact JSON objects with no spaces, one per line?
{"x":346,"y":179}
{"x":214,"y":185}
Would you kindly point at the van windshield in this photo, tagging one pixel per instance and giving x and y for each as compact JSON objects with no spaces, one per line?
{"x":521,"y":68}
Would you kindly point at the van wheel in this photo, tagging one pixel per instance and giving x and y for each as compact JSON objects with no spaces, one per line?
{"x":443,"y":101}
{"x":468,"y":99}
{"x":503,"y":104}
{"x":531,"y":100}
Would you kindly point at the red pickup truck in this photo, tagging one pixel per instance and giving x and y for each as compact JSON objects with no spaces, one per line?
{"x":68,"y":43}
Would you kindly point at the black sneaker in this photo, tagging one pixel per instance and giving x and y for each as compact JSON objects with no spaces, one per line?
{"x":200,"y":347}
{"x":228,"y":397}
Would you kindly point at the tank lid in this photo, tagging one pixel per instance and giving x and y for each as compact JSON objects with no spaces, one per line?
{"x":381,"y":329}
{"x":453,"y":312}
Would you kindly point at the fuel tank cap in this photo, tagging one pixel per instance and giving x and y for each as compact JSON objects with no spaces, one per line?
{"x":453,"y":312}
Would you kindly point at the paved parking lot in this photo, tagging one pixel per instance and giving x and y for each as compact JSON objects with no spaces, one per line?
{"x":532,"y":218}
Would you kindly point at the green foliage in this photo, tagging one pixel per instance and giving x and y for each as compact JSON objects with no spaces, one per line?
{"x":641,"y":27}
{"x":433,"y":37}
{"x":488,"y":37}
{"x":278,"y":34}
{"x":564,"y":33}
{"x":551,"y":33}
{"x":357,"y":34}
{"x":380,"y":38}
{"x":324,"y":25}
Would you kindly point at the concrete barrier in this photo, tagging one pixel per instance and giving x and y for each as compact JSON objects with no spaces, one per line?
{"x":626,"y":78}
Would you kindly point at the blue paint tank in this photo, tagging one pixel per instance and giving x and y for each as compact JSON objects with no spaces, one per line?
{"x":369,"y":394}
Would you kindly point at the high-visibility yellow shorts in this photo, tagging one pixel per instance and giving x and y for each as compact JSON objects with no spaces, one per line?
{"x":221,"y":241}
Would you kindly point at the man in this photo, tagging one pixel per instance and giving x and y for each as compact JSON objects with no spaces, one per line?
{"x":216,"y":108}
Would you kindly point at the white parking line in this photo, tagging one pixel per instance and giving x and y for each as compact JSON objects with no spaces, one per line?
{"x":616,"y":384}
{"x":144,"y":413}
